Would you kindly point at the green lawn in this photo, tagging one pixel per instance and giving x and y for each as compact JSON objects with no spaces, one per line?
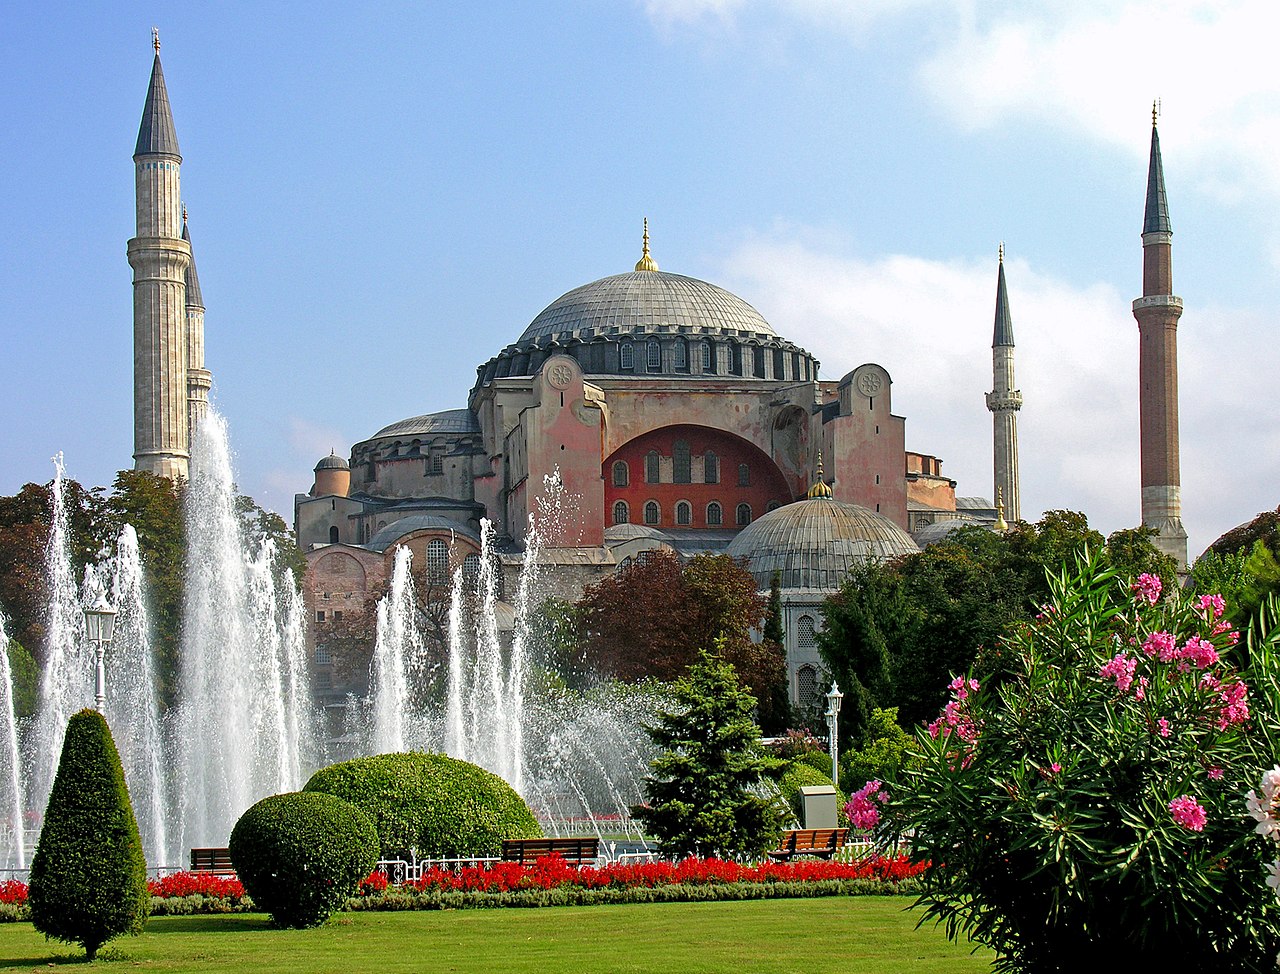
{"x":849,"y":934}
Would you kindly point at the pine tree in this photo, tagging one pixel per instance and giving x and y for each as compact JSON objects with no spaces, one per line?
{"x":702,"y":793}
{"x":89,"y":876}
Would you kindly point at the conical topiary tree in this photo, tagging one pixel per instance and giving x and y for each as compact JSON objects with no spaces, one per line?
{"x":89,"y":876}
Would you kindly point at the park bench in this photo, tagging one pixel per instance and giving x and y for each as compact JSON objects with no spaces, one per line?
{"x":216,"y":861}
{"x":576,"y":851}
{"x":822,"y":843}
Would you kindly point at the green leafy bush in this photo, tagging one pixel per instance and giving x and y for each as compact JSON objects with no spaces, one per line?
{"x":799,"y":775}
{"x":1088,"y":813}
{"x":301,"y":855}
{"x":430,"y":803}
{"x":881,"y":758}
{"x":89,"y":876}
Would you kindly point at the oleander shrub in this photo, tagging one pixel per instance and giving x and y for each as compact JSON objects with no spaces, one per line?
{"x":301,"y":855}
{"x":1086,"y":811}
{"x":429,"y":803}
{"x":89,"y":877}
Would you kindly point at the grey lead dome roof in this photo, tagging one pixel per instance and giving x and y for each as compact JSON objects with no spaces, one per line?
{"x":815,"y":543}
{"x":447,"y":421}
{"x":644,"y":300}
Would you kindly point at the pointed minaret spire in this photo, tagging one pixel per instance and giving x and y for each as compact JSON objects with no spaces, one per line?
{"x":1157,"y":313}
{"x":646,"y":261}
{"x":156,"y":134}
{"x":194,"y":298}
{"x":199,"y":379}
{"x":1004,"y":401}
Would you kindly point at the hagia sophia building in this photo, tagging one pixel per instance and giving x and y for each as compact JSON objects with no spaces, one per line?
{"x":654,"y":411}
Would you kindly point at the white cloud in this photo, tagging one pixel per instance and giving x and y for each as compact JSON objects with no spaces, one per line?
{"x":930,"y":322}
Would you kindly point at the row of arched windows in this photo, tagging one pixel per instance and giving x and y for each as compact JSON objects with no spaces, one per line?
{"x":753,"y":361}
{"x":683,"y":514}
{"x":438,"y":565}
{"x":681,"y":468}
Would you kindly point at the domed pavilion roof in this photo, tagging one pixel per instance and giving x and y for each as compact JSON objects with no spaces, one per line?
{"x":643,"y":300}
{"x":332,"y":462}
{"x":815,"y":543}
{"x":447,"y":421}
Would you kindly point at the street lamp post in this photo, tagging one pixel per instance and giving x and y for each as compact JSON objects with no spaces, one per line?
{"x":834,"y":696}
{"x":100,"y":625}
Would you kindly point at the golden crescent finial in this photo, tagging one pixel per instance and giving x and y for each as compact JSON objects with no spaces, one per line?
{"x":1155,"y":111}
{"x":820,"y":487}
{"x":155,"y":39}
{"x":1002,"y":251}
{"x":1001,"y":524}
{"x":646,"y":261}
{"x":184,"y":214}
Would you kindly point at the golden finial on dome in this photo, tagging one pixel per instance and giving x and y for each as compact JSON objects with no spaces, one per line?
{"x":646,"y":261}
{"x":820,"y":487}
{"x":1001,"y":524}
{"x":155,"y":39}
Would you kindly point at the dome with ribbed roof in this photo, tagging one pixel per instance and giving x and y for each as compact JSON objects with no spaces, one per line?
{"x":332,"y":462}
{"x":643,"y":301}
{"x":446,"y":421}
{"x":816,"y":543}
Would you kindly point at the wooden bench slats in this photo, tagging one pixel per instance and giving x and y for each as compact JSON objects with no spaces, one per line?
{"x":821,"y":843}
{"x":212,"y":860}
{"x":575,"y":851}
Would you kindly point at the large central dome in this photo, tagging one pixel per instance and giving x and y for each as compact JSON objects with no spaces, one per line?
{"x":643,"y":301}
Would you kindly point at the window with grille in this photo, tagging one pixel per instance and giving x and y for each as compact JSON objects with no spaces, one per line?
{"x":806,"y":632}
{"x":654,"y":352}
{"x":652,"y":467}
{"x":651,"y":513}
{"x":758,"y":357}
{"x":684,"y":513}
{"x":715,"y":515}
{"x":735,"y":359}
{"x":621,"y":474}
{"x":744,"y":475}
{"x":806,"y":686}
{"x":319,"y":615}
{"x":627,"y":356}
{"x":682,"y":355}
{"x":744,"y":514}
{"x":471,"y":569}
{"x":681,"y":464}
{"x":323,"y":656}
{"x":706,"y":357}
{"x":620,"y":513}
{"x":643,"y":557}
{"x":435,"y":464}
{"x":710,"y":468}
{"x":437,"y":562}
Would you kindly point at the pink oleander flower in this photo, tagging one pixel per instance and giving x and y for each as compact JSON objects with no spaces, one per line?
{"x":1188,"y":813}
{"x":1235,"y":705}
{"x":1215,"y":773}
{"x":1140,"y":691}
{"x":1121,"y":670}
{"x":1164,"y":727}
{"x":1263,"y":807}
{"x":1161,"y":645}
{"x":1055,"y":768}
{"x":1199,"y":652}
{"x":860,"y":809}
{"x":1147,"y":588}
{"x":1211,"y":606}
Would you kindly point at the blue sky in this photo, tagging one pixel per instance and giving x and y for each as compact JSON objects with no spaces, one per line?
{"x":383,"y":195}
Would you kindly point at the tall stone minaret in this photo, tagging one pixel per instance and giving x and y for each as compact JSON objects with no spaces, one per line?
{"x":1157,"y":312}
{"x":160,"y":259}
{"x":199,"y":379}
{"x":1004,"y":401}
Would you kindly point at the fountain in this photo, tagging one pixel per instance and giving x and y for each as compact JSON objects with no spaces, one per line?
{"x":13,"y":851}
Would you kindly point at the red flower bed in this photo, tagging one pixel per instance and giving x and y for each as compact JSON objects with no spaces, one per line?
{"x":553,"y":871}
{"x":13,"y":892}
{"x":191,"y":884}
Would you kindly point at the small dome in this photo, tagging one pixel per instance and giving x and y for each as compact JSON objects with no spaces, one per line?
{"x":643,"y":300}
{"x":815,"y":543}
{"x":448,"y":421}
{"x":941,"y":530}
{"x":332,"y":462}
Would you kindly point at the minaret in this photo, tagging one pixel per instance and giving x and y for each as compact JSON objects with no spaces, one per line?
{"x":199,"y":379}
{"x":159,"y":258}
{"x":1157,"y":312}
{"x":1004,"y":401}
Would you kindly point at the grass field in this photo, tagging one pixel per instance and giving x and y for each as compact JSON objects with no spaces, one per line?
{"x":849,"y":934}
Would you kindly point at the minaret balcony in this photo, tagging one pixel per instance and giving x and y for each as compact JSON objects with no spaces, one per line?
{"x":1010,"y":402}
{"x":1157,"y":301}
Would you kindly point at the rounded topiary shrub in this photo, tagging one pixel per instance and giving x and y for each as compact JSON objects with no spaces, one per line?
{"x":430,"y":803}
{"x":89,"y":876}
{"x":301,"y":855}
{"x":799,"y":775}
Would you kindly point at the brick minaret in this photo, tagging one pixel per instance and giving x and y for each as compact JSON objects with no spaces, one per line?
{"x":199,"y":379}
{"x":1157,"y":312}
{"x":160,"y":259}
{"x":1004,"y":401}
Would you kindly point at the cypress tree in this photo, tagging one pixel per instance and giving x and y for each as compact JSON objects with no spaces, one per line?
{"x":89,"y":876}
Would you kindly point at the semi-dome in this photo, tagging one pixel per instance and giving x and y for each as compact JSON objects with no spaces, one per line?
{"x":816,"y":543}
{"x":643,"y":300}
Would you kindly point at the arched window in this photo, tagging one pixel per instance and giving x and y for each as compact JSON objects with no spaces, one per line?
{"x":735,"y":358}
{"x":621,"y":474}
{"x":626,"y":563}
{"x":333,"y":534}
{"x":772,"y":506}
{"x":710,"y":468}
{"x":621,"y":515}
{"x":715,"y":515}
{"x":706,"y":357}
{"x":806,"y":686}
{"x":681,"y":472}
{"x":651,"y":513}
{"x":651,"y":467}
{"x":744,"y":514}
{"x":744,"y":475}
{"x":684,"y":513}
{"x":778,"y":363}
{"x":806,"y":632}
{"x":437,"y":562}
{"x":654,"y":353}
{"x":643,"y":557}
{"x":627,"y":356}
{"x":758,"y":356}
{"x":471,"y":569}
{"x":682,"y":356}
